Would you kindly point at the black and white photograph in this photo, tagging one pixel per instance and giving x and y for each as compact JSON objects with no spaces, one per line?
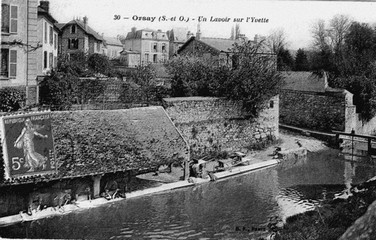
{"x":188,"y":119}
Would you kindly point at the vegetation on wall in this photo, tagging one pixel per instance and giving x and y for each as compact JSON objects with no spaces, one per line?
{"x":11,"y":99}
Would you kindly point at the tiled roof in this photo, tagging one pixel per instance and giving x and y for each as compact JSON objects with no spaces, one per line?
{"x":221,"y":44}
{"x":95,"y":142}
{"x":113,"y":41}
{"x":305,"y":81}
{"x":138,"y":34}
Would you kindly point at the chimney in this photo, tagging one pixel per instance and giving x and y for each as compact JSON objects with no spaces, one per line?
{"x":85,"y":19}
{"x":134,"y":30}
{"x":256,"y":39}
{"x":45,"y":5}
{"x":198,"y":33}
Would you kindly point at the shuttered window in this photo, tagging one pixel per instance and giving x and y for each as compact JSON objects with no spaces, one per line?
{"x":5,"y":18}
{"x":45,"y":32}
{"x":51,"y":58}
{"x":51,"y":36}
{"x":45,"y":60}
{"x":12,"y":63}
{"x":13,"y":19}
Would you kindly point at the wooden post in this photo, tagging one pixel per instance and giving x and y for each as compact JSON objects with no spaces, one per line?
{"x":369,"y":148}
{"x":97,"y":185}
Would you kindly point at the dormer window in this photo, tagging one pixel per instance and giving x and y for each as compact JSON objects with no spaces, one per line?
{"x":73,"y":29}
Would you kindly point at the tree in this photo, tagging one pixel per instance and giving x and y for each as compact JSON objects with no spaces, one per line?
{"x":11,"y":99}
{"x":285,"y":62}
{"x":144,"y":77}
{"x":277,"y":40}
{"x":98,"y":63}
{"x":320,"y":36}
{"x":255,"y":80}
{"x":252,"y":81}
{"x":301,"y":61}
{"x":338,"y":28}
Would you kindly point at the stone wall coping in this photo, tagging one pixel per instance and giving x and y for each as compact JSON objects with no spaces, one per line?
{"x":184,"y":99}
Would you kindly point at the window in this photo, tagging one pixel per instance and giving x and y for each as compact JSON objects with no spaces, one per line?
{"x":45,"y":32}
{"x":51,"y":58}
{"x":55,"y":61}
{"x":72,"y":43}
{"x":271,"y":104}
{"x":9,"y":18}
{"x":98,"y":46}
{"x":163,"y":47}
{"x":45,"y":59}
{"x":73,"y":29}
{"x":51,"y":35}
{"x":146,"y":57}
{"x":155,"y":47}
{"x":8,"y":63}
{"x":155,"y":58}
{"x":55,"y":41}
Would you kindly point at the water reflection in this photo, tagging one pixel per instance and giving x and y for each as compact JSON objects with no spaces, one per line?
{"x":235,"y":208}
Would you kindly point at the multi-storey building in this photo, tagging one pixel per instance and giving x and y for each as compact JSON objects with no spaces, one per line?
{"x":19,"y":42}
{"x":48,"y":36}
{"x":153,"y":46}
{"x":113,"y":47}
{"x":76,"y":36}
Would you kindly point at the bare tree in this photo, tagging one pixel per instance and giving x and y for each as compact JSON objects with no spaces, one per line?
{"x":338,"y":28}
{"x":320,"y":35}
{"x":277,"y":40}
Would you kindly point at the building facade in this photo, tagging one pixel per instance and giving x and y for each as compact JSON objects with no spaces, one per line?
{"x":19,"y":42}
{"x":153,"y":46}
{"x":47,"y":35}
{"x":113,"y":47}
{"x":77,"y":36}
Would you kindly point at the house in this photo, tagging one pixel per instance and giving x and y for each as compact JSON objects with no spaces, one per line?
{"x":177,"y":38}
{"x":218,"y":49}
{"x":113,"y":47}
{"x":47,"y":35}
{"x":152,"y":45}
{"x":19,"y":42}
{"x":130,"y":59}
{"x":77,"y":36}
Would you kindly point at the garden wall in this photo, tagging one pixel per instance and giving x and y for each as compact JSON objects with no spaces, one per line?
{"x":213,"y":124}
{"x":323,"y":111}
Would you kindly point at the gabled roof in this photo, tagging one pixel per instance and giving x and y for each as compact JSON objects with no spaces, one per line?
{"x":220,"y":44}
{"x":113,"y":41}
{"x":305,"y":81}
{"x":43,"y":12}
{"x":88,"y":30}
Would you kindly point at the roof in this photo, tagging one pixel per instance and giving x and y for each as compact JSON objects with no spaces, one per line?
{"x":305,"y":81}
{"x":88,"y":30}
{"x":127,"y":139}
{"x":43,"y":12}
{"x":143,"y":34}
{"x":221,"y":44}
{"x":129,"y":52}
{"x":113,"y":41}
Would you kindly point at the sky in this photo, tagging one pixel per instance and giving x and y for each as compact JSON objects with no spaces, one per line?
{"x":294,"y":17}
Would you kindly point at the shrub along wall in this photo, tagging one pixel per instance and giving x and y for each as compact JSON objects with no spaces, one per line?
{"x":214,"y":124}
{"x":314,"y":110}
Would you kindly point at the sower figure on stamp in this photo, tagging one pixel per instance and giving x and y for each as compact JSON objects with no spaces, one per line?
{"x":33,"y":159}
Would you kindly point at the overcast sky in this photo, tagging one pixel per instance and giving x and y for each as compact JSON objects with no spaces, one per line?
{"x":295,"y":17}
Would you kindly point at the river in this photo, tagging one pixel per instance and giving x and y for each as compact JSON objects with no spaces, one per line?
{"x":235,"y":208}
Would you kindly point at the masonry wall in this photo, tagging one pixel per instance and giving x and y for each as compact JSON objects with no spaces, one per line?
{"x":318,"y":111}
{"x":212,"y":124}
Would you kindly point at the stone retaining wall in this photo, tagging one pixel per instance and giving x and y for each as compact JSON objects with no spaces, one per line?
{"x":213,"y":124}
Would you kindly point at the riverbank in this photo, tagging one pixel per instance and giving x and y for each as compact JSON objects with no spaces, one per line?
{"x":170,"y":181}
{"x":335,"y":218}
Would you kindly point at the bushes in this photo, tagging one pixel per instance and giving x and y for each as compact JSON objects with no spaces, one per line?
{"x":11,"y":99}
